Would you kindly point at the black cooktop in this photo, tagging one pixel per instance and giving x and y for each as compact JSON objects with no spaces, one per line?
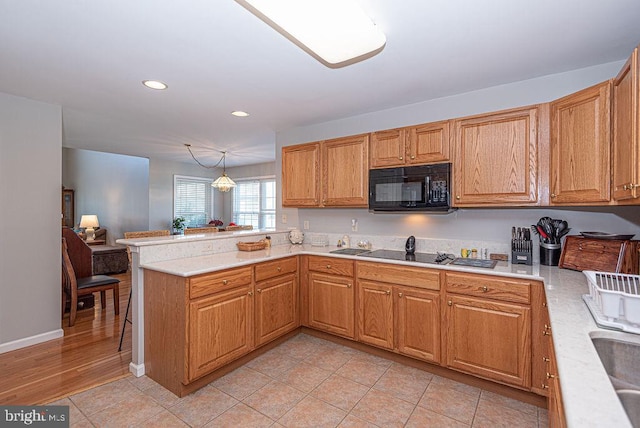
{"x":437,"y":259}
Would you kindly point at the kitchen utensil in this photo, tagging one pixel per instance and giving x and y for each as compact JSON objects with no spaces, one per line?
{"x":410,"y":245}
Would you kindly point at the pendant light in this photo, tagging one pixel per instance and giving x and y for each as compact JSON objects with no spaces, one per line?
{"x":222,"y":183}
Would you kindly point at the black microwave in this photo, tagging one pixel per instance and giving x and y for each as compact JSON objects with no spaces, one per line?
{"x":412,"y":188}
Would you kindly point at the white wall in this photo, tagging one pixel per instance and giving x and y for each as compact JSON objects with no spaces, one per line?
{"x":114,"y":187}
{"x":475,"y":224}
{"x":30,"y":219}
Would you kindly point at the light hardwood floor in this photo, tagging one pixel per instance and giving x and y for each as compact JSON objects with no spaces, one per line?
{"x":87,"y":356}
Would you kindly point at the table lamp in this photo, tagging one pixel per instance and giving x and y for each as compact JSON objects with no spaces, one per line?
{"x":88,"y":222}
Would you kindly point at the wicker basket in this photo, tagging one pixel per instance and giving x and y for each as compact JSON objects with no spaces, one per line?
{"x":252,"y":246}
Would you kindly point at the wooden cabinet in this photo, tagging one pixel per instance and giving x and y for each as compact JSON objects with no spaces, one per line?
{"x":580,"y":147}
{"x":626,"y":132}
{"x":415,"y":145}
{"x":276,"y":299}
{"x":554,"y":401}
{"x":605,"y":255}
{"x":345,"y":167}
{"x":331,"y":296}
{"x":220,"y":330}
{"x":540,"y":340}
{"x":301,"y":175}
{"x":496,"y":161}
{"x":488,"y":336}
{"x":399,"y":309}
{"x":343,"y":164}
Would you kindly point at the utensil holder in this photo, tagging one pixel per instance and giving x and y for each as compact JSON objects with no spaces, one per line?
{"x":550,"y":254}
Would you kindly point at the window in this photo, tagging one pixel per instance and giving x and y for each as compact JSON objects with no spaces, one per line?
{"x":254,"y":203}
{"x":193,"y":199}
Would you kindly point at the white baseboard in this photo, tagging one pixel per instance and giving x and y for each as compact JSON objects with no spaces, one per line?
{"x":136,"y":369}
{"x":32,"y":340}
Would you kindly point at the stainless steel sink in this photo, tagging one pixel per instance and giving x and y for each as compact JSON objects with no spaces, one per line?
{"x":350,"y":251}
{"x":620,"y":356}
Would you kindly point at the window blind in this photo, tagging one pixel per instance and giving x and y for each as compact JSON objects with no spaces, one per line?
{"x":193,"y":200}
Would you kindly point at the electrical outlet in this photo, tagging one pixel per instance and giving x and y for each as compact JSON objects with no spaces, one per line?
{"x":354,"y":224}
{"x":306,"y":225}
{"x":284,"y":218}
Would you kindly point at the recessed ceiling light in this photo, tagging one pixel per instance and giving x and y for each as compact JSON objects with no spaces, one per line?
{"x":155,"y":84}
{"x":239,"y":113}
{"x":335,"y":32}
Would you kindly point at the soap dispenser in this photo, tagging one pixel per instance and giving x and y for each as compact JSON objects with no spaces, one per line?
{"x":345,"y":241}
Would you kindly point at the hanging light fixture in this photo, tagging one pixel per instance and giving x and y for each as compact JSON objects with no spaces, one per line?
{"x":222,"y":183}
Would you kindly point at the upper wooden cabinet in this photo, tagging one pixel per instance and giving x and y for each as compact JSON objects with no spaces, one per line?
{"x":580,"y":147}
{"x":496,"y":162}
{"x":345,"y":172}
{"x":344,"y":165}
{"x":301,"y":175}
{"x":626,"y":132}
{"x":414,"y":145}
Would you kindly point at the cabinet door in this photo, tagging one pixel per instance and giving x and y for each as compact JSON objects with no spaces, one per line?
{"x":276,"y":307}
{"x":375,"y":314}
{"x":540,"y":338}
{"x":220,"y":330}
{"x":489,"y":339}
{"x":418,"y":318}
{"x":387,"y":148}
{"x":331,"y":304}
{"x":428,"y":143}
{"x":496,"y":159}
{"x":626,"y":135}
{"x":346,"y":172}
{"x":301,"y":175}
{"x":580,"y":147}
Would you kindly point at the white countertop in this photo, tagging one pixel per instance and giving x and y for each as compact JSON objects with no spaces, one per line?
{"x":588,"y":397}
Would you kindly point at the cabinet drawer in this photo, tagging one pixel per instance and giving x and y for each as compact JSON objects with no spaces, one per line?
{"x":492,"y":287}
{"x":331,"y":265}
{"x":400,"y":275}
{"x":276,"y":268}
{"x":208,"y":283}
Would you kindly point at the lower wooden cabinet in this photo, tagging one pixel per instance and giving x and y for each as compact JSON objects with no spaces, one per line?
{"x":220,"y":330}
{"x":375,"y":314}
{"x":418,"y":323}
{"x":554,"y":402}
{"x":276,"y":307}
{"x":331,"y":304}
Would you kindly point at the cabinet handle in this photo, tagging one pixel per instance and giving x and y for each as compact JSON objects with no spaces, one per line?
{"x":546,"y":333}
{"x":349,"y":285}
{"x":550,"y":376}
{"x":279,"y":269}
{"x":259,"y":290}
{"x":225,"y":282}
{"x":625,"y":187}
{"x":250,"y":293}
{"x":545,"y":386}
{"x":399,"y":294}
{"x":328,"y":266}
{"x":387,"y":292}
{"x":449,"y":303}
{"x":458,"y":197}
{"x":401,"y":158}
{"x":485,"y":288}
{"x":413,"y":157}
{"x":547,"y":327}
{"x":553,"y":195}
{"x":546,"y":359}
{"x":544,"y":304}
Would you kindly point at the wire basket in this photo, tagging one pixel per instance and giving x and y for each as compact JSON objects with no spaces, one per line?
{"x":616,"y":295}
{"x":319,"y":240}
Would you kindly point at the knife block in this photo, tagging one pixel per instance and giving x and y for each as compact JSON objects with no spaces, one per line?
{"x":521,"y":257}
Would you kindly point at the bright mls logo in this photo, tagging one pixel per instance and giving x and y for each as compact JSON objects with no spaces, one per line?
{"x":36,"y":416}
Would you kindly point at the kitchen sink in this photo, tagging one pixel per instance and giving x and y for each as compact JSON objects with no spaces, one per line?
{"x":350,"y":251}
{"x":620,"y":356}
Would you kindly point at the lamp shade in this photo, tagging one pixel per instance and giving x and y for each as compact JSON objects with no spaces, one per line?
{"x":89,"y":221}
{"x":224,"y":183}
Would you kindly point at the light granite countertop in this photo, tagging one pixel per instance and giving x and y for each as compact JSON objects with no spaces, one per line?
{"x":588,"y":397}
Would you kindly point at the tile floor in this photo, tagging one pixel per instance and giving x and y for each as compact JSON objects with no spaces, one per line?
{"x":305,"y":382}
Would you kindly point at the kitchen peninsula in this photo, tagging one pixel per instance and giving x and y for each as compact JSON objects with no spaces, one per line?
{"x":587,"y":395}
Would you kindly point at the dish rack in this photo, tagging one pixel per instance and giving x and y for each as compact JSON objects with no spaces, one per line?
{"x":614,"y":300}
{"x":319,"y":240}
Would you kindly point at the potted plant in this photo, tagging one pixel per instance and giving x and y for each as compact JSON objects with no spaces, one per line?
{"x":178,"y":225}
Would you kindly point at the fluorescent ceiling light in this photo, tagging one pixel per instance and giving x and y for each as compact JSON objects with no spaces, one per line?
{"x":155,"y":84}
{"x":336,"y":32}
{"x":240,"y":113}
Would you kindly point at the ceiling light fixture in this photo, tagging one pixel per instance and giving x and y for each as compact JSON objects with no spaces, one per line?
{"x":222,"y":183}
{"x":240,"y":113}
{"x":155,"y":84}
{"x":335,"y":32}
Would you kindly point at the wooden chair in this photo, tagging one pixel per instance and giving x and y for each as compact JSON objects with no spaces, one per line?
{"x":197,"y":230}
{"x":132,"y":235}
{"x":73,"y":287}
